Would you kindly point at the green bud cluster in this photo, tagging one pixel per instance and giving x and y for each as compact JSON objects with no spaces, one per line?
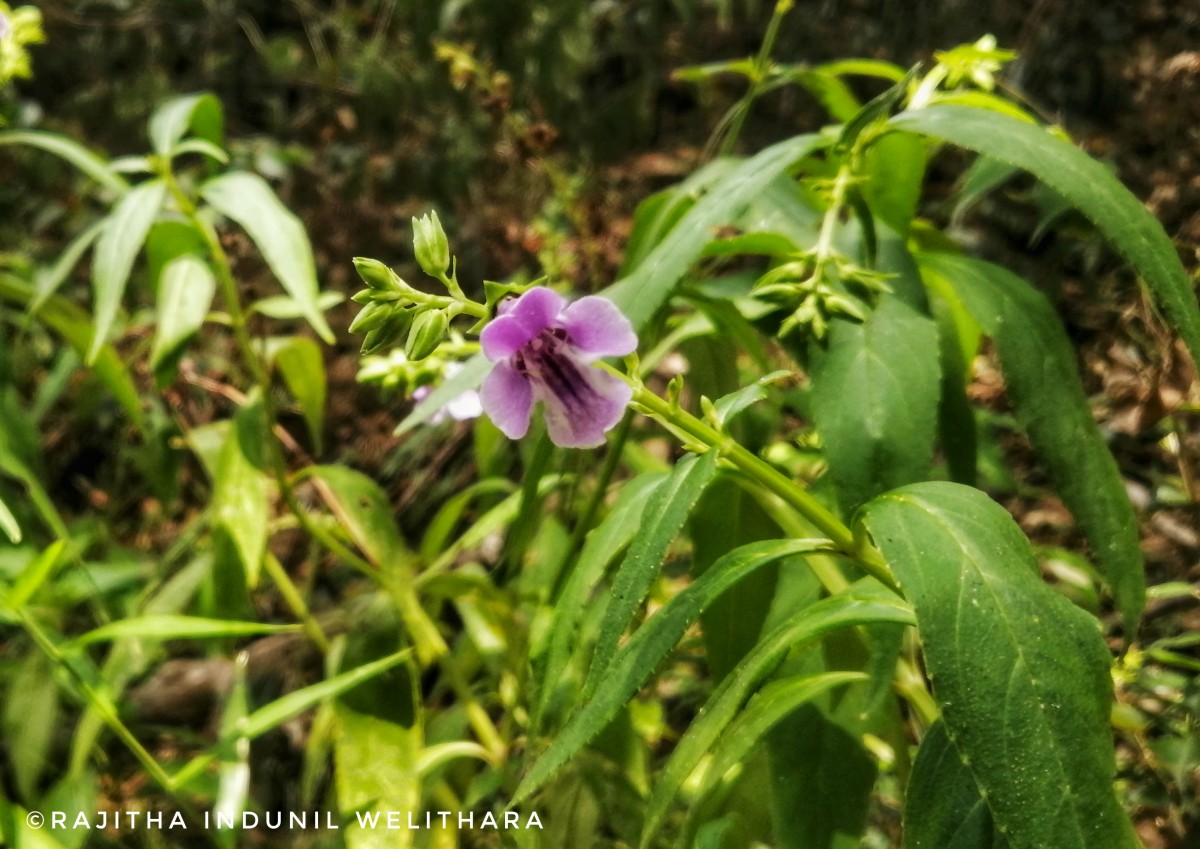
{"x":819,"y":290}
{"x":396,"y":313}
{"x":19,"y":28}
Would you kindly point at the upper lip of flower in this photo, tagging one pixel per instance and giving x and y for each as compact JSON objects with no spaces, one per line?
{"x":543,"y":348}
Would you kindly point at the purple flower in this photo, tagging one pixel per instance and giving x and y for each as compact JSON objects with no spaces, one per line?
{"x":543,"y":348}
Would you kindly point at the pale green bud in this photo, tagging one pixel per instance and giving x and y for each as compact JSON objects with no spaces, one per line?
{"x":431,"y":246}
{"x":428,"y":331}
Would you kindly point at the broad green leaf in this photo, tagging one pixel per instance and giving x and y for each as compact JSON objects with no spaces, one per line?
{"x":1048,"y":400}
{"x":364,"y":511}
{"x":200,"y":113}
{"x":116,"y":249}
{"x":875,"y":400}
{"x":73,"y":152}
{"x":285,"y":307}
{"x":241,"y":490}
{"x":248,"y":200}
{"x":942,"y":807}
{"x":1087,"y":184}
{"x":169,"y":626}
{"x":640,"y":294}
{"x":300,"y":362}
{"x":895,"y":172}
{"x":603,"y":544}
{"x":185,"y":293}
{"x":1021,"y":674}
{"x":637,"y":660}
{"x":665,"y":515}
{"x":823,"y":782}
{"x":726,"y":517}
{"x":866,"y":603}
{"x":31,"y":720}
{"x":376,"y":774}
{"x":379,"y":734}
{"x":168,"y":240}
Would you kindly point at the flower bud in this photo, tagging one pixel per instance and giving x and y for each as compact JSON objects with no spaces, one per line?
{"x":374,"y":273}
{"x":371,"y":317}
{"x":388,"y":333}
{"x":430,"y":245}
{"x":428,"y":331}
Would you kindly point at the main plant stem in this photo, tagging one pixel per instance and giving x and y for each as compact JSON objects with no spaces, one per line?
{"x":706,"y":437}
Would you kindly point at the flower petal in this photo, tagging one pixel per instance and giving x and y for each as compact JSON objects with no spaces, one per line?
{"x":598,"y":329}
{"x":528,"y":316}
{"x":593,"y":408}
{"x":507,"y":398}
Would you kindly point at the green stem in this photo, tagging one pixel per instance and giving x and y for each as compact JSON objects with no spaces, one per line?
{"x":690,"y":428}
{"x":760,"y":78}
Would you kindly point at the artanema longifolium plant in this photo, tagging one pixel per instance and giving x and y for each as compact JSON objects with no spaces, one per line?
{"x":1007,"y":685}
{"x":822,"y":490}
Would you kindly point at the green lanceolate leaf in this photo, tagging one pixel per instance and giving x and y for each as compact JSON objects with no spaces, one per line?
{"x":864,"y":604}
{"x":185,"y":292}
{"x":1089,"y":187}
{"x":248,"y":200}
{"x":73,"y":152}
{"x":1021,"y":674}
{"x":603,"y":545}
{"x":875,"y":400}
{"x":636,"y":661}
{"x":199,"y":112}
{"x":8,"y":524}
{"x":640,"y":294}
{"x":300,"y":362}
{"x":765,"y":709}
{"x":168,"y":626}
{"x":1048,"y":400}
{"x":116,"y":249}
{"x":943,"y":808}
{"x":666,"y":513}
{"x":241,"y":490}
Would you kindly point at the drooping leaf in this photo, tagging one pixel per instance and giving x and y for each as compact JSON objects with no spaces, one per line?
{"x":73,"y":152}
{"x":942,"y":807}
{"x":49,"y":280}
{"x":1087,"y":184}
{"x":1048,"y":400}
{"x":116,"y":248}
{"x":278,"y":234}
{"x":637,"y":660}
{"x":1021,"y":674}
{"x":364,"y":511}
